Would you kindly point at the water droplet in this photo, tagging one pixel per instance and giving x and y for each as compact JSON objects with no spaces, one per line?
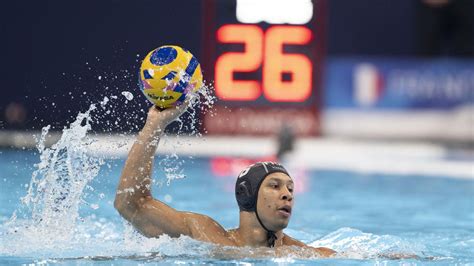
{"x":128,"y":95}
{"x":168,"y":198}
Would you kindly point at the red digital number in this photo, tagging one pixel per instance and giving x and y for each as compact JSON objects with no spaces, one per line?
{"x":264,"y":50}
{"x":276,"y":62}
{"x":228,"y":63}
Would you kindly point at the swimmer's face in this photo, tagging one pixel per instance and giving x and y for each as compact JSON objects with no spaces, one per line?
{"x":275,"y":201}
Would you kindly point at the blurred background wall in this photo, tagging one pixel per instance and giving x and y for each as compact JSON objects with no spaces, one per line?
{"x":390,"y":69}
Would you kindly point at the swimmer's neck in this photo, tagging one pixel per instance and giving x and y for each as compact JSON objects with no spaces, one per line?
{"x":251,"y":233}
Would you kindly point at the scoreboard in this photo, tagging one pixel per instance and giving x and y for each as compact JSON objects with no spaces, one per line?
{"x":265,"y":60}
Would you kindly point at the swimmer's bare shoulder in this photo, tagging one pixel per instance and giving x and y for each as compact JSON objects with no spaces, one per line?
{"x":323,"y":252}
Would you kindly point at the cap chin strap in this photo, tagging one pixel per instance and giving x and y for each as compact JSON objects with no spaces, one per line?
{"x":271,"y":236}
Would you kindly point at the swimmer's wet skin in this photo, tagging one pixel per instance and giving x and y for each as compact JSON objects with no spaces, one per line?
{"x":264,"y":193}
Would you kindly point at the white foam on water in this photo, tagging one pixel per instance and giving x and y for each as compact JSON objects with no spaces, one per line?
{"x":355,"y":244}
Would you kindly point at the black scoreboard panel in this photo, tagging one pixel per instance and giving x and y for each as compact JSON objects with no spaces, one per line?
{"x":265,"y":75}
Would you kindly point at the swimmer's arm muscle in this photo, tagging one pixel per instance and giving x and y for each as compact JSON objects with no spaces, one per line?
{"x":155,"y":218}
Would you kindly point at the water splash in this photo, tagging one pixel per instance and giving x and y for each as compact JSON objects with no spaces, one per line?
{"x":355,"y":244}
{"x":199,"y":102}
{"x":50,"y":211}
{"x":172,"y":167}
{"x":207,"y":94}
{"x":49,"y":219}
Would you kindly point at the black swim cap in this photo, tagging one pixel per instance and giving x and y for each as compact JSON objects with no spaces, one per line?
{"x":247,"y":186}
{"x":249,"y":181}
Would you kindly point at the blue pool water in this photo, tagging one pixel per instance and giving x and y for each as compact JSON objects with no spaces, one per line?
{"x":364,"y":217}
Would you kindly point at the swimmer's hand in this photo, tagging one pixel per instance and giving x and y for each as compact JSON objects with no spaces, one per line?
{"x":157,"y":119}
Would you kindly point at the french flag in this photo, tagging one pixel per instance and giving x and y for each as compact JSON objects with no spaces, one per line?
{"x":368,"y":84}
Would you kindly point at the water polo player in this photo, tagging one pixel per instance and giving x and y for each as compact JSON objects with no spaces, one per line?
{"x":264,"y":194}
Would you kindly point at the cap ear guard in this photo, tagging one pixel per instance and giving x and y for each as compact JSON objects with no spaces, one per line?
{"x":243,"y":189}
{"x":244,"y":195}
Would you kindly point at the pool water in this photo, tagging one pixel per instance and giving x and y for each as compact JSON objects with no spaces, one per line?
{"x":365,"y":217}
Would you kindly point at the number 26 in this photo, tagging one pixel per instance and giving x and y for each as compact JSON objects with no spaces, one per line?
{"x":264,"y":49}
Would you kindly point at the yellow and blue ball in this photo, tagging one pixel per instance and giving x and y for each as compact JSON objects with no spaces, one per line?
{"x":168,"y":74}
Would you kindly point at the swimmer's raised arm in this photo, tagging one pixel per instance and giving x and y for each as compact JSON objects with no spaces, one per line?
{"x":134,"y":200}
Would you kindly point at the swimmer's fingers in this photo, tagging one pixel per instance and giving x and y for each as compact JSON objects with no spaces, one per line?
{"x":171,"y":114}
{"x":161,"y":118}
{"x":174,"y":112}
